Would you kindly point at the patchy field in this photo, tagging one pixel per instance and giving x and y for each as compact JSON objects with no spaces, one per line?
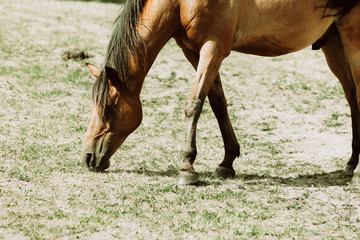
{"x":289,"y":114}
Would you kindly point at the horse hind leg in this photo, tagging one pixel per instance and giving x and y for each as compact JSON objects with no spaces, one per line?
{"x":349,"y":32}
{"x":335,"y":56}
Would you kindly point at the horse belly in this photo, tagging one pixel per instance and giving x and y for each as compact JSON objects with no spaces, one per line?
{"x":264,"y":46}
{"x":277,"y":27}
{"x":279,"y":42}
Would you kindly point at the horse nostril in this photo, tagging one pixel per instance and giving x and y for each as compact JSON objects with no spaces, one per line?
{"x":88,"y":159}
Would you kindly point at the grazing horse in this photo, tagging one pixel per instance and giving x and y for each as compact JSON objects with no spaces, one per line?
{"x":207,"y":31}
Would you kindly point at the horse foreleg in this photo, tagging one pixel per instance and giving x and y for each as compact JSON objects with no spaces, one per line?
{"x":219,"y":106}
{"x":232,"y":148}
{"x":335,"y":56}
{"x":207,"y":69}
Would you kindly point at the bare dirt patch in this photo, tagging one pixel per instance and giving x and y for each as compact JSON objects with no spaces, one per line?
{"x":289,"y":114}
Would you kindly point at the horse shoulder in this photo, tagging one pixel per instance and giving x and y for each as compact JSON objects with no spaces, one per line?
{"x":206,"y":20}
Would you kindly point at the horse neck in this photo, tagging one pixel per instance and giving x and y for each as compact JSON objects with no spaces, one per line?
{"x":155,"y":33}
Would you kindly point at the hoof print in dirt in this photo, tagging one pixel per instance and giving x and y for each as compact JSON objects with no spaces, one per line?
{"x":76,"y":54}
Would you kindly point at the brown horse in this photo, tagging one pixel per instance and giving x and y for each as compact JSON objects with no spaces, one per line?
{"x":207,"y":31}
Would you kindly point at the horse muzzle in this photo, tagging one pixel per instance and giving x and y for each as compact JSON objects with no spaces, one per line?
{"x":96,"y":163}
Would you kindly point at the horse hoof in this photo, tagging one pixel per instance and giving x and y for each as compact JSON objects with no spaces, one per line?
{"x":355,"y":179}
{"x":224,"y":173}
{"x":187,"y":178}
{"x":349,"y":169}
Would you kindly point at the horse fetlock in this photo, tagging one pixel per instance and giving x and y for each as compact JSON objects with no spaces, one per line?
{"x":351,"y":165}
{"x":354,"y":160}
{"x":233,"y":150}
{"x":187,"y":166}
{"x":193,"y":107}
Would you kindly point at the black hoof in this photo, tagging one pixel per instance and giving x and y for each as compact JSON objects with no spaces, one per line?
{"x":187,"y":178}
{"x":224,"y":173}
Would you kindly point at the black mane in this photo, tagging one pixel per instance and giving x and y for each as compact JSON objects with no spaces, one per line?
{"x":125,"y":41}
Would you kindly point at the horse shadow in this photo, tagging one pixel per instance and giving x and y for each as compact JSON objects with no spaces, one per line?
{"x":325,"y":179}
{"x":146,"y":172}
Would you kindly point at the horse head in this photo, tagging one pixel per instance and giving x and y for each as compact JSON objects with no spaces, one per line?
{"x":114,"y":115}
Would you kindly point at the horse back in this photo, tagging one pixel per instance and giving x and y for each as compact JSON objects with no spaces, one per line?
{"x":260,"y":27}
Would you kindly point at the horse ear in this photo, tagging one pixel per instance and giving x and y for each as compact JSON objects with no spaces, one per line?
{"x":112,"y":75}
{"x":94,"y":70}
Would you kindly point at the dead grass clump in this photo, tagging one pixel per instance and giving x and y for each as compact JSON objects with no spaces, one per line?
{"x":76,"y":54}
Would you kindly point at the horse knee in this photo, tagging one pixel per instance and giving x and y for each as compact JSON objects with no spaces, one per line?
{"x":193,"y":108}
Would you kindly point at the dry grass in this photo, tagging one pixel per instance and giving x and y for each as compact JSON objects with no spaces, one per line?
{"x":289,"y":113}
